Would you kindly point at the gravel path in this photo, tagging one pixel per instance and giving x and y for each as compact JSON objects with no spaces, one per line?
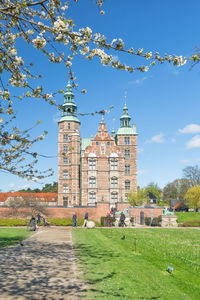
{"x":44,"y":268}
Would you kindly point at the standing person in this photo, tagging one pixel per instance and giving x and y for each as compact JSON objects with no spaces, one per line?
{"x":86,"y":219}
{"x":38,"y":219}
{"x":32,"y":223}
{"x":122,"y":220}
{"x":74,"y":218}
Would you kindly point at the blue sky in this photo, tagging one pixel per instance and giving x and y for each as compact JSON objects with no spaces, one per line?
{"x":164,"y":102}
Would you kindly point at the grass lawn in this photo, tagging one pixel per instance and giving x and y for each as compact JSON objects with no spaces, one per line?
{"x":112,"y":269}
{"x":12,"y":236}
{"x":187,"y":216}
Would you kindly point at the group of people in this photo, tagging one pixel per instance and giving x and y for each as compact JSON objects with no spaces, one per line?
{"x":74,"y":219}
{"x":35,"y":222}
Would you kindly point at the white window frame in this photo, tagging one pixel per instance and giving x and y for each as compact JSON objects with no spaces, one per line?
{"x":92,"y":164}
{"x":114,"y":182}
{"x":127,"y":170}
{"x":65,"y":138}
{"x":92,"y":197}
{"x":65,"y":161}
{"x":114,"y":164}
{"x":65,"y":174}
{"x":92,"y":182}
{"x":127,"y":140}
{"x":65,"y":148}
{"x":114,"y":197}
{"x":65,"y":189}
{"x":127,"y":153}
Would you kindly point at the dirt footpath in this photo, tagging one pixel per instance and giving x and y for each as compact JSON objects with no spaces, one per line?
{"x":44,"y":268}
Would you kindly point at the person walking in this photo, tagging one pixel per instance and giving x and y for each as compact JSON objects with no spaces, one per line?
{"x":85,"y":220}
{"x":74,"y":218}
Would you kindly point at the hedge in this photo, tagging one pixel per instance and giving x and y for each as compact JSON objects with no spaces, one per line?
{"x":53,"y":221}
{"x":191,"y":223}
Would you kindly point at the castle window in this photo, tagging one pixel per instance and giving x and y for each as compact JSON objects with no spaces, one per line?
{"x":92,"y":164}
{"x":65,"y":174}
{"x":65,"y":161}
{"x":68,"y":125}
{"x":108,"y":143}
{"x":65,"y":188}
{"x":65,"y":148}
{"x":114,"y":182}
{"x":127,"y":185}
{"x":97,"y":143}
{"x":65,"y":201}
{"x":65,"y":138}
{"x":114,"y":197}
{"x":113,"y":164}
{"x":127,"y":170}
{"x":92,"y":197}
{"x":127,"y":140}
{"x":92,"y":182}
{"x":127,"y":153}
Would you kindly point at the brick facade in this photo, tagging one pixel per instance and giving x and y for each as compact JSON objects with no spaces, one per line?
{"x":102,"y":169}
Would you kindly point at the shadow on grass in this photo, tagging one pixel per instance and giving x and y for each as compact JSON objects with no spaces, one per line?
{"x":39,"y":270}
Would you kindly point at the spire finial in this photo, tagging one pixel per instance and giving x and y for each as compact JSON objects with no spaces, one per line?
{"x":125,"y":94}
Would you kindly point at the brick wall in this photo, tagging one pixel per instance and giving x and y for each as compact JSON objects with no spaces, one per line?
{"x":95,"y":213}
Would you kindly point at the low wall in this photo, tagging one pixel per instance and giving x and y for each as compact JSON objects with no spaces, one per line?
{"x":94,"y":212}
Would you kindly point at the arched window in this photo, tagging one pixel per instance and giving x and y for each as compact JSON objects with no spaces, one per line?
{"x":92,"y":164}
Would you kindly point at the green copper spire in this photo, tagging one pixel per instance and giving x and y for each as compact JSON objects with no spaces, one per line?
{"x":69,"y":108}
{"x":125,"y":123}
{"x":125,"y":120}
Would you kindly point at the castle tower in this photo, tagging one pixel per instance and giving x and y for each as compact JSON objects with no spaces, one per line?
{"x":126,"y":139}
{"x":69,"y":152}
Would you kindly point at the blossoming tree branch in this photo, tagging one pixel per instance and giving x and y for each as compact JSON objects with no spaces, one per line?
{"x":44,"y":25}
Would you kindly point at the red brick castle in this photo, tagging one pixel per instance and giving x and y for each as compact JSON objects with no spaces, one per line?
{"x":102,"y":169}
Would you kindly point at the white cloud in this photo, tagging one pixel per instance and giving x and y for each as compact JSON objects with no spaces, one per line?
{"x":11,"y":185}
{"x":24,"y":187}
{"x":191,"y":128}
{"x":141,"y":172}
{"x":159,"y":138}
{"x":184,"y":161}
{"x":140,"y":150}
{"x":194,"y":142}
{"x":138,"y":81}
{"x":57,"y":117}
{"x":173,"y":140}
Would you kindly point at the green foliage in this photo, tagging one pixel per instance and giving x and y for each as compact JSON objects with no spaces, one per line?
{"x":13,"y":222}
{"x":156,"y":221}
{"x":48,"y":188}
{"x":192,"y":197}
{"x":12,"y":236}
{"x":112,"y":268}
{"x":147,"y":221}
{"x":102,"y":221}
{"x":153,"y":190}
{"x":176,"y":190}
{"x":139,"y":198}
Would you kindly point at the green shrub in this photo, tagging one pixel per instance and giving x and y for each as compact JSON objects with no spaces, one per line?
{"x":68,"y":222}
{"x":191,"y":223}
{"x":102,"y":221}
{"x":147,"y":221}
{"x":132,"y":220}
{"x":12,"y":222}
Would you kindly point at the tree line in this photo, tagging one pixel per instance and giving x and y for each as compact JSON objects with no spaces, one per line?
{"x":185,"y":189}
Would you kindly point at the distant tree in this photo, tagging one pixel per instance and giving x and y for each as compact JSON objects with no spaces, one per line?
{"x":153,"y":191}
{"x":48,"y":188}
{"x":176,"y":189}
{"x":192,"y":197}
{"x":192,"y":173}
{"x":138,"y":198}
